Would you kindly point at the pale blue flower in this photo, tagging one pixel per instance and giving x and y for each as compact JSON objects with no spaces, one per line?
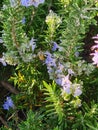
{"x":55,"y":46}
{"x":26,"y":2}
{"x":65,"y":81}
{"x":31,"y":2}
{"x":67,"y":89}
{"x":49,"y":60}
{"x":8,"y":104}
{"x":37,"y":2}
{"x":77,"y":92}
{"x":70,"y":72}
{"x":59,"y":81}
{"x":59,"y":69}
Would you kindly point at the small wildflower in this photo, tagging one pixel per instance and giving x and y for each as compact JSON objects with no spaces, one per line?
{"x":49,"y":60}
{"x":77,"y":92}
{"x":26,"y":2}
{"x":67,"y":89}
{"x":70,"y":72}
{"x":59,"y":69}
{"x":31,"y":2}
{"x":55,"y":46}
{"x":37,"y":2}
{"x":8,"y":104}
{"x":65,"y":81}
{"x":77,"y":54}
{"x":76,"y":89}
{"x":59,"y":81}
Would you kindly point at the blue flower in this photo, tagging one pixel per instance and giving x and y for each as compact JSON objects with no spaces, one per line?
{"x":37,"y":2}
{"x":31,"y":2}
{"x":26,"y":3}
{"x":55,"y":46}
{"x":49,"y":60}
{"x":8,"y":104}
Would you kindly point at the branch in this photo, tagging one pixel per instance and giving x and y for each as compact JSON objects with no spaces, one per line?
{"x":9,"y":87}
{"x":4,"y":122}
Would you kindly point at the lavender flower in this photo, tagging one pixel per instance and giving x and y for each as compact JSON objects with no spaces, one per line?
{"x":59,"y":69}
{"x":55,"y":46}
{"x":8,"y":104}
{"x":26,"y":2}
{"x":67,"y":89}
{"x":64,"y":82}
{"x":31,"y":2}
{"x":49,"y":60}
{"x":77,"y":92}
{"x":70,"y":72}
{"x":37,"y":2}
{"x":76,"y":89}
{"x":59,"y":81}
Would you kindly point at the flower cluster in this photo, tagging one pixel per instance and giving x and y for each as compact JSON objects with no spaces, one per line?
{"x":31,"y":2}
{"x":8,"y":104}
{"x":56,"y":72}
{"x":95,"y":48}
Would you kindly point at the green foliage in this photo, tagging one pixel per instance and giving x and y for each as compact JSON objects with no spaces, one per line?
{"x":54,"y":101}
{"x":77,"y":17}
{"x":88,"y":118}
{"x":33,"y":122}
{"x":46,"y":103}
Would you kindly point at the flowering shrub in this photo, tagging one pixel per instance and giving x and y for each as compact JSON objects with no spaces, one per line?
{"x":44,"y":43}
